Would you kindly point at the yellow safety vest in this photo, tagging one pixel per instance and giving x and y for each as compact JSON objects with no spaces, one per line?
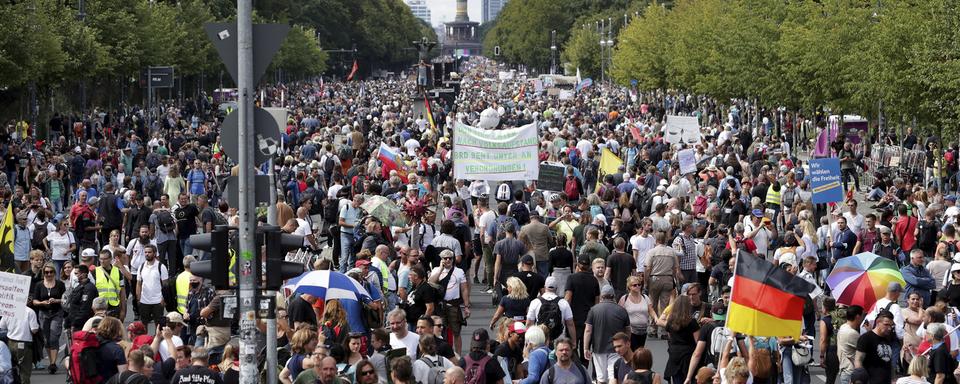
{"x":183,"y":289}
{"x":773,"y":197}
{"x":232,"y":275}
{"x":109,"y":289}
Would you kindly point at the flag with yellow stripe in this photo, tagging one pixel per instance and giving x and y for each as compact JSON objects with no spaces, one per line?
{"x":766,"y":300}
{"x":6,"y":240}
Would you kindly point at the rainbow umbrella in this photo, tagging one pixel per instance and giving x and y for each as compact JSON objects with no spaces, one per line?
{"x":862,"y":279}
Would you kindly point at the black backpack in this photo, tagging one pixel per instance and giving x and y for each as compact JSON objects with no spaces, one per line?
{"x":550,"y":315}
{"x":328,"y":165}
{"x":40,"y":232}
{"x":520,"y":212}
{"x":165,"y":221}
{"x":927,"y":235}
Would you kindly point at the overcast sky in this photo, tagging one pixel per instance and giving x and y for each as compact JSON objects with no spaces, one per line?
{"x":444,"y":10}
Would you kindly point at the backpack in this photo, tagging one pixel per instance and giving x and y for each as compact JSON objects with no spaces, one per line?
{"x":763,"y":365}
{"x":165,"y":221}
{"x":520,"y":212}
{"x":927,"y":235}
{"x":549,"y":314}
{"x":437,"y":371}
{"x":571,"y":189}
{"x":951,"y":247}
{"x":718,"y":337}
{"x":475,"y":373}
{"x":77,"y":165}
{"x":358,"y":185}
{"x":552,"y":372}
{"x":502,"y":226}
{"x":330,"y":210}
{"x":40,"y":232}
{"x":83,"y":358}
{"x":153,"y":187}
{"x":328,"y":165}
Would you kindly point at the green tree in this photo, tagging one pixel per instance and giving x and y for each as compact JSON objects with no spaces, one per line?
{"x":643,"y":50}
{"x":300,"y":56}
{"x":583,"y":52}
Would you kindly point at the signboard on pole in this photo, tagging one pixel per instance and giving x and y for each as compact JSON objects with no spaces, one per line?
{"x":551,"y":177}
{"x":682,"y":129}
{"x":504,"y":154}
{"x":15,"y":288}
{"x":825,"y":180}
{"x":160,"y":77}
{"x":688,"y":161}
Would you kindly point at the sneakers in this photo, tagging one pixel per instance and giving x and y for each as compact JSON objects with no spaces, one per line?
{"x":52,"y":369}
{"x":489,"y":290}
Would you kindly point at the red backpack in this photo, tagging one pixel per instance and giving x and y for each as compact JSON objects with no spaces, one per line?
{"x":83,"y":358}
{"x":571,"y":189}
{"x":475,"y":373}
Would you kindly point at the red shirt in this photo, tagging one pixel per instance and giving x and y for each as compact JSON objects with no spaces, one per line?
{"x":903,"y":232}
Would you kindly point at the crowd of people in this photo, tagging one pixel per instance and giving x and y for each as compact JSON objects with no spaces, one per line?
{"x":580,"y":279}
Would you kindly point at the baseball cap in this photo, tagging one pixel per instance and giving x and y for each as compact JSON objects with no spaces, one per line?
{"x":526,"y":259}
{"x":551,"y":282}
{"x":480,"y":338}
{"x":607,"y":291}
{"x":951,"y":198}
{"x":137,"y":328}
{"x":518,"y":327}
{"x":362,"y":262}
{"x":175,"y":317}
{"x":88,"y":252}
{"x":758,"y":212}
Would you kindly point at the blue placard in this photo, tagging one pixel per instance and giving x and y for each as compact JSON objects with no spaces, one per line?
{"x":825,"y":180}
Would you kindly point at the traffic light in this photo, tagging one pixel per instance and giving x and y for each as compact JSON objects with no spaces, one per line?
{"x":277,"y":246}
{"x":217,"y":267}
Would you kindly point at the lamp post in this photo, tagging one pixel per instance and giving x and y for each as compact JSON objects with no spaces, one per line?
{"x":553,"y":52}
{"x":603,"y":43}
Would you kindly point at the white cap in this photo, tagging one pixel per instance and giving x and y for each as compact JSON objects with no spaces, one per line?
{"x":89,"y":252}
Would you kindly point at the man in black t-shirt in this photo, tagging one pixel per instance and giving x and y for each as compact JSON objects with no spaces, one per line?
{"x":422,"y":299}
{"x":473,"y":365}
{"x":941,"y":364}
{"x":300,"y":310}
{"x":582,"y":292}
{"x":197,"y":372}
{"x":874,"y":351}
{"x":186,"y":215}
{"x":529,"y":276}
{"x":620,"y":265}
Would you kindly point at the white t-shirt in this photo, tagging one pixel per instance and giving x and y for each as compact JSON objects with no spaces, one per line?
{"x":421,"y":370}
{"x":453,"y":286}
{"x":534,"y":309}
{"x":484,"y":221}
{"x":409,"y":342}
{"x":412,"y":146}
{"x":18,"y":329}
{"x":854,"y":222}
{"x":303,"y":229}
{"x":150,"y":275}
{"x":60,"y":244}
{"x":164,"y":353}
{"x":137,"y":257}
{"x":640,"y":247}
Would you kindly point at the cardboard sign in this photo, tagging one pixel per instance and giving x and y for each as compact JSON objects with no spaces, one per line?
{"x":551,"y":177}
{"x":688,"y":161}
{"x":16,"y":289}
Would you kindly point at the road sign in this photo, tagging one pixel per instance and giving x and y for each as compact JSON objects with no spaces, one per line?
{"x":267,"y":123}
{"x":267,"y":39}
{"x":825,"y":180}
{"x":261,"y":190}
{"x":160,"y":77}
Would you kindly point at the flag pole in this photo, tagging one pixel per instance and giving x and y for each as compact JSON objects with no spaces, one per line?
{"x":948,"y":334}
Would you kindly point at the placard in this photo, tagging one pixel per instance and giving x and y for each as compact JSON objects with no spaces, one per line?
{"x":14,"y":290}
{"x":688,"y":161}
{"x":566,"y":94}
{"x":502,"y":154}
{"x":825,"y":180}
{"x":552,"y":177}
{"x":684,"y":129}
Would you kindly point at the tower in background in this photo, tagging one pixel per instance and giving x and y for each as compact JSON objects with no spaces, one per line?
{"x":462,"y":36}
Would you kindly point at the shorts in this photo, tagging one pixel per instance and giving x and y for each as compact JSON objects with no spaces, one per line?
{"x":452,"y":318}
{"x":151,"y":313}
{"x":603,"y":364}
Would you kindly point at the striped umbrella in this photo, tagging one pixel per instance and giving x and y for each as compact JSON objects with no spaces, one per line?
{"x":862,"y":279}
{"x":327,"y":285}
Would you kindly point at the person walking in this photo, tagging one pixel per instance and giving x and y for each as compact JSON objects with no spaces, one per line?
{"x":567,"y":370}
{"x":47,"y":299}
{"x":662,"y":268}
{"x":603,"y":321}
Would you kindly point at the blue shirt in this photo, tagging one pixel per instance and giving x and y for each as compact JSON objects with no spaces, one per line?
{"x":353,"y":309}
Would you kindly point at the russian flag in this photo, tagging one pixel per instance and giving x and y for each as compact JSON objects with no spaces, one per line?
{"x":391,"y":161}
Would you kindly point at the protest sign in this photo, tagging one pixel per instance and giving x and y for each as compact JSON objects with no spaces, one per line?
{"x":504,"y":154}
{"x":14,"y":289}
{"x":566,"y":94}
{"x":551,"y":177}
{"x":682,"y":129}
{"x":825,"y":180}
{"x":688,"y":162}
{"x":609,"y":164}
{"x":635,"y":132}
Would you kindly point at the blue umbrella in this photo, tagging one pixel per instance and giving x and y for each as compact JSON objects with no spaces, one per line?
{"x":327,"y":285}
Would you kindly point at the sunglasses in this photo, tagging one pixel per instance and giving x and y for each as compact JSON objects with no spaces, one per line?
{"x":446,"y":258}
{"x":367,"y":373}
{"x":634,"y":285}
{"x":48,"y":272}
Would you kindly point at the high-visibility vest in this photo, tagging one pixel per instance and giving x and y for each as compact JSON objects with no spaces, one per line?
{"x":183,"y":289}
{"x":232,"y":274}
{"x":773,"y":197}
{"x":109,"y":289}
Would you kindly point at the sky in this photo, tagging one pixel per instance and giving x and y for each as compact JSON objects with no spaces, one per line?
{"x":444,"y":10}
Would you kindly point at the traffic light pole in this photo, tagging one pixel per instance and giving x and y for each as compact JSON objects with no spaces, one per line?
{"x":249,"y":253}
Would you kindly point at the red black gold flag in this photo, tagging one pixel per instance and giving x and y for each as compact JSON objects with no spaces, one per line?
{"x":766,"y":300}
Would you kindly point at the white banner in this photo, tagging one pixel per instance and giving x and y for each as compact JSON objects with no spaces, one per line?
{"x":505,"y":154}
{"x":684,"y":129}
{"x":13,"y":300}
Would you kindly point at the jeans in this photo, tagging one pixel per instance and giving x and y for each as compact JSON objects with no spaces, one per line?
{"x":875,"y":194}
{"x":347,"y":258}
{"x":792,"y":374}
{"x":543,"y":267}
{"x":58,"y":265}
{"x":847,"y":174}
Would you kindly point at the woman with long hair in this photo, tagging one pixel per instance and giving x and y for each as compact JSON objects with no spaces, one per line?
{"x":365,"y":373}
{"x":335,"y":328}
{"x":352,"y":347}
{"x":684,"y":333}
{"x":110,"y":356}
{"x":302,"y":344}
{"x":561,"y":261}
{"x":513,"y":305}
{"x":640,"y":309}
{"x":47,"y":297}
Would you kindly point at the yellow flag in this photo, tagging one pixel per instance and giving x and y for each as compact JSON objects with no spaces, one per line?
{"x":609,"y":163}
{"x":6,"y":240}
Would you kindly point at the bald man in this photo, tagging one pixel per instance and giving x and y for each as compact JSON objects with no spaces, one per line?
{"x":454,"y":375}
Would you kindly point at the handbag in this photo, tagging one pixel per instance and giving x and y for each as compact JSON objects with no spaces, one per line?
{"x":802,"y":354}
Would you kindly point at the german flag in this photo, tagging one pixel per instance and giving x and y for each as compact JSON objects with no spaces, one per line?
{"x":766,"y":300}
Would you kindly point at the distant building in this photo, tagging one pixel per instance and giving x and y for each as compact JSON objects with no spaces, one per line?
{"x":420,"y":9}
{"x":491,"y":9}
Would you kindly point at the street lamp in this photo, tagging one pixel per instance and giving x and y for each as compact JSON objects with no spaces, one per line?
{"x":553,"y":52}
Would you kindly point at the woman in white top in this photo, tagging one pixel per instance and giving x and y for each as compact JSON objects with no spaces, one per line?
{"x":60,"y":244}
{"x":640,"y":309}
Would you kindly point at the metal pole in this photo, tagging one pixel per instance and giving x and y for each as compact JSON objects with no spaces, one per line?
{"x":271,"y":322}
{"x":248,"y":249}
{"x":149,"y":98}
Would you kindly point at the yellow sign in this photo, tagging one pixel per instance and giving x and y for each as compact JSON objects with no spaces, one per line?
{"x":609,"y":163}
